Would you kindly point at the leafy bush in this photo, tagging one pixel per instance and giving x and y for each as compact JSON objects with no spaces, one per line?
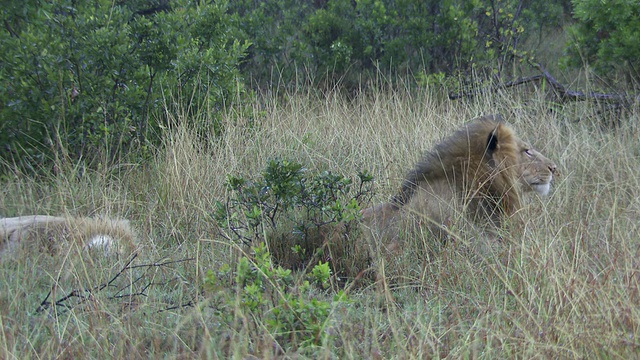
{"x":340,"y":36}
{"x":269,"y":298}
{"x":301,"y":218}
{"x":274,"y":29}
{"x":606,"y":36}
{"x":86,"y":78}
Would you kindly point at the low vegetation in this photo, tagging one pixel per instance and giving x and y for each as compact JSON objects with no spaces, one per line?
{"x":566,"y":285}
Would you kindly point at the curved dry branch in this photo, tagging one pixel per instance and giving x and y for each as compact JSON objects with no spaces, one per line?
{"x":560,"y":90}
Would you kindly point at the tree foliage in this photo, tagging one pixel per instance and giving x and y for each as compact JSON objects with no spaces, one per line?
{"x":606,"y":36}
{"x":336,"y":36}
{"x":80,"y":78}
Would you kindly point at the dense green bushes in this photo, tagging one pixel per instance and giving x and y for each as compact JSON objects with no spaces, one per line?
{"x":85,"y":77}
{"x":330,"y":37}
{"x":605,"y":36}
{"x":87,"y":80}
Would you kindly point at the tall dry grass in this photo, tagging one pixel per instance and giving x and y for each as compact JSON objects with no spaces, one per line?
{"x":568,"y":289}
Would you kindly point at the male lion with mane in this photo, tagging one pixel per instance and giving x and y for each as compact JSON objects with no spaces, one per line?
{"x":479,"y":172}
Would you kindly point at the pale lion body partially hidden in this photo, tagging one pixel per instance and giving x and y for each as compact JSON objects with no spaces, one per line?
{"x":26,"y":235}
{"x":476,"y":175}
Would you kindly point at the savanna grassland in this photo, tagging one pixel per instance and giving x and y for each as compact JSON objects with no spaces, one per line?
{"x":567,"y":288}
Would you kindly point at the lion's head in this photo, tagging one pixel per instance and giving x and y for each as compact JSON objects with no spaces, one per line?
{"x":536,"y":171}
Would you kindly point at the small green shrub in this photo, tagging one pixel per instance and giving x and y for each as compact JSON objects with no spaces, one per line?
{"x":268,"y":297}
{"x":302,"y":218}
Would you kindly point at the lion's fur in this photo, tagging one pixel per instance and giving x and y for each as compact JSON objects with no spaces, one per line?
{"x":479,"y":172}
{"x":57,"y":234}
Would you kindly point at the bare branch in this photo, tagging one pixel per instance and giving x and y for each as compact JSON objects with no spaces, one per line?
{"x":187,"y":304}
{"x":563,"y":93}
{"x":161,"y":264}
{"x":84,"y":294}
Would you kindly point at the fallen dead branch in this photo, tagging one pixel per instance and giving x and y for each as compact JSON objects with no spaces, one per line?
{"x":562,"y":93}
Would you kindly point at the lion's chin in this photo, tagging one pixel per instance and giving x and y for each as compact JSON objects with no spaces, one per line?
{"x":542,"y":189}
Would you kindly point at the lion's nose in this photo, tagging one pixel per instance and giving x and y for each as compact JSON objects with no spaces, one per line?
{"x":553,"y":168}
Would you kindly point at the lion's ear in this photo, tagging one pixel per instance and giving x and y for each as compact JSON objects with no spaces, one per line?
{"x":492,"y":141}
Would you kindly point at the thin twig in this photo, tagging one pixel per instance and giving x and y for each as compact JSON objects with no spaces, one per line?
{"x":87,"y":293}
{"x":161,"y":264}
{"x":187,"y":304}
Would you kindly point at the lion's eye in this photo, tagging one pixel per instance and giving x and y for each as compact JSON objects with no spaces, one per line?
{"x":529,"y":153}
